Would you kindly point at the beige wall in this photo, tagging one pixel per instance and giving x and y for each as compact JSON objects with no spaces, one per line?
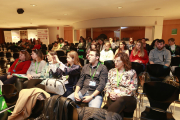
{"x":53,"y":32}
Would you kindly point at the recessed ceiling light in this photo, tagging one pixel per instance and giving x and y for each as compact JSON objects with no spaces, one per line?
{"x":119,"y":7}
{"x":157,"y":8}
{"x":33,"y":5}
{"x":65,"y":14}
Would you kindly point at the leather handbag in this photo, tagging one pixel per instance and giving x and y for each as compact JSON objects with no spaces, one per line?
{"x":55,"y":86}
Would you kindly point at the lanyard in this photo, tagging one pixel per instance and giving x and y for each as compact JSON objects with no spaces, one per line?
{"x":173,"y":51}
{"x":17,"y":64}
{"x":95,"y":71}
{"x":118,"y":80}
{"x":37,"y":67}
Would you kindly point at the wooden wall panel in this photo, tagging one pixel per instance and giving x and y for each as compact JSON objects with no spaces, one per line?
{"x":168,"y":25}
{"x":136,"y":34}
{"x":68,"y":34}
{"x":107,"y":33}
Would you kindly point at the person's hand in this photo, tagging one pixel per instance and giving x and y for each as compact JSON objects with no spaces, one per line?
{"x":29,"y":77}
{"x":56,"y":59}
{"x":9,"y":76}
{"x":113,"y":96}
{"x":76,"y":96}
{"x":87,"y":99}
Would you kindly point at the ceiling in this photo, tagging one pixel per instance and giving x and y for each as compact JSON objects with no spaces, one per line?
{"x":67,"y":12}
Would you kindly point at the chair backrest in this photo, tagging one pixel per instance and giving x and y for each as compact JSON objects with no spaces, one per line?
{"x":160,"y":94}
{"x":137,"y":67}
{"x":15,"y":55}
{"x":158,"y":71}
{"x":60,"y":53}
{"x":175,"y":61}
{"x":109,"y":64}
{"x":81,"y":61}
{"x":63,"y":59}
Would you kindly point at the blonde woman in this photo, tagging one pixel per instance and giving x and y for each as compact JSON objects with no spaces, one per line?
{"x":139,"y":54}
{"x":107,"y":53}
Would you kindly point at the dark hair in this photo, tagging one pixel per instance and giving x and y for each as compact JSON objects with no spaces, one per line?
{"x":61,"y":39}
{"x":125,"y":46}
{"x":94,"y":43}
{"x":125,"y":59}
{"x":38,"y":53}
{"x":161,"y":40}
{"x":153,"y":43}
{"x":97,"y":51}
{"x":171,"y":39}
{"x":27,"y":55}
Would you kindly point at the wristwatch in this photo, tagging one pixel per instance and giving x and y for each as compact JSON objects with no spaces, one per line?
{"x":93,"y":96}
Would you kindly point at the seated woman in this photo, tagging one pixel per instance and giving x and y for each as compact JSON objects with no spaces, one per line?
{"x":55,"y":46}
{"x":122,"y":48}
{"x":36,"y":66}
{"x":122,"y":81}
{"x":81,"y":44}
{"x":93,"y":46}
{"x":61,"y":42}
{"x":138,"y":54}
{"x":107,"y":53}
{"x":72,"y":69}
{"x":20,"y":66}
{"x":66,"y":46}
{"x":37,"y":45}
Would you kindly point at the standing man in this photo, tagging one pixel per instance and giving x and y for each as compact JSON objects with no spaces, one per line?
{"x":160,"y":55}
{"x":92,"y":81}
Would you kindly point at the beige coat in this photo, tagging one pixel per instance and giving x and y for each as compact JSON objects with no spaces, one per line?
{"x":25,"y":103}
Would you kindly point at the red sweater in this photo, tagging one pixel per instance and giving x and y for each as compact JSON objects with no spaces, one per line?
{"x":144,"y":59}
{"x":21,"y":68}
{"x":37,"y":46}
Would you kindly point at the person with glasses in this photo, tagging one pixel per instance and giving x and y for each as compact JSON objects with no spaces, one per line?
{"x":122,"y":48}
{"x":92,"y":81}
{"x":20,"y":66}
{"x":122,"y":81}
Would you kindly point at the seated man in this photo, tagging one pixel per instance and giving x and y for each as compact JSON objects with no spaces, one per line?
{"x":92,"y":81}
{"x":174,"y":49}
{"x":160,"y":55}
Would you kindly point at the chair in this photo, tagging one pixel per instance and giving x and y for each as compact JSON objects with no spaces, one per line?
{"x":160,"y":96}
{"x":50,"y":46}
{"x":63,"y":59}
{"x":8,"y":55}
{"x":175,"y":61}
{"x":81,"y":61}
{"x":1,"y":54}
{"x":43,"y":51}
{"x":109,"y":64}
{"x":158,"y":72}
{"x":137,"y":67}
{"x":60,"y":53}
{"x":81,"y":54}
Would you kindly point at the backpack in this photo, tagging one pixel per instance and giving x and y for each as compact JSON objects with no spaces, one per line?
{"x":59,"y":108}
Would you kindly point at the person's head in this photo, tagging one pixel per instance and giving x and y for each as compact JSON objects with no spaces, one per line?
{"x":36,"y":42}
{"x":107,"y":46}
{"x":101,"y":41}
{"x":138,"y":47}
{"x":110,"y":40}
{"x":115,"y":39}
{"x":122,"y":45}
{"x":131,"y":41}
{"x":61,"y":40}
{"x":72,"y":58}
{"x":55,"y":44}
{"x":50,"y":55}
{"x":66,"y":43}
{"x":143,"y":40}
{"x":24,"y":55}
{"x":122,"y":61}
{"x":171,"y":41}
{"x":30,"y":42}
{"x":89,"y":39}
{"x":37,"y":55}
{"x":160,"y":44}
{"x":93,"y":45}
{"x":81,"y":40}
{"x":94,"y":55}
